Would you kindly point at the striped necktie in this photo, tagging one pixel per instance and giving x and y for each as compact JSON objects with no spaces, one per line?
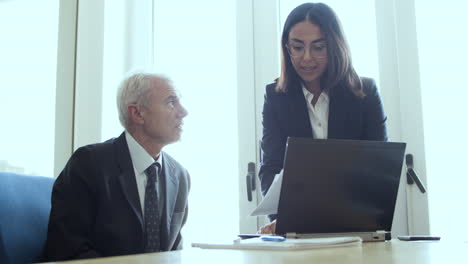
{"x":152,"y":219}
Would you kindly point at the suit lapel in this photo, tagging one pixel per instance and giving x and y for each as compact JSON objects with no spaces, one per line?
{"x":172,"y":185}
{"x":299,"y":113}
{"x":127,"y":177}
{"x":336,"y":116}
{"x":341,"y":124}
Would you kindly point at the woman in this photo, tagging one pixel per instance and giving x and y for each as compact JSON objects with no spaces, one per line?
{"x":318,"y":93}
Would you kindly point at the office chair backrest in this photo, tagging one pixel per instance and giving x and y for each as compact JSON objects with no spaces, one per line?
{"x":3,"y":258}
{"x":24,"y":215}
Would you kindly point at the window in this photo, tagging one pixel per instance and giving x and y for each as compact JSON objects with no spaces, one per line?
{"x":28,"y":53}
{"x":442,"y":61}
{"x":196,"y":48}
{"x":200,"y":56}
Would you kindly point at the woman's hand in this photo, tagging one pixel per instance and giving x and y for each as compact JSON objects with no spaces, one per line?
{"x":268,"y":229}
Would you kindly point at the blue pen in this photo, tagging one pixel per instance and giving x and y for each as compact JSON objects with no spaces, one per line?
{"x":273,"y":238}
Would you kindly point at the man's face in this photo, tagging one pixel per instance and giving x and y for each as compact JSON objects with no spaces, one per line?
{"x":162,"y":113}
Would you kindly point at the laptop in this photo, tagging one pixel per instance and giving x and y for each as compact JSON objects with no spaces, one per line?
{"x":339,"y":188}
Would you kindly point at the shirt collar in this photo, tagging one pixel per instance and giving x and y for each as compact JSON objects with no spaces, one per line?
{"x":309,"y":96}
{"x":141,"y":159}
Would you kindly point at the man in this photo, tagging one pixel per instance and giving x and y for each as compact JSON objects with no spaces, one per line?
{"x":124,"y":196}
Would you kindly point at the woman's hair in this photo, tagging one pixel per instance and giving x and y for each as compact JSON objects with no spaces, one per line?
{"x":340,"y":71}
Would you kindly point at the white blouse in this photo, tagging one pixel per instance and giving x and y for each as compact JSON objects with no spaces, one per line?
{"x":318,"y":114}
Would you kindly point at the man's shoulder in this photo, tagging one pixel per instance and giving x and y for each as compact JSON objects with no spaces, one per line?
{"x":97,"y":151}
{"x":97,"y":147}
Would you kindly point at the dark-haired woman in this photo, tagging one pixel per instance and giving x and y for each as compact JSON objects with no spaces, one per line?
{"x":318,"y":93}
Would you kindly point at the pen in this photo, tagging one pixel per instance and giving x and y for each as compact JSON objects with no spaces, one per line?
{"x":273,"y":238}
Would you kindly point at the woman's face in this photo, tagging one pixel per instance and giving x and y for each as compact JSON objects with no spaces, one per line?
{"x":308,"y":51}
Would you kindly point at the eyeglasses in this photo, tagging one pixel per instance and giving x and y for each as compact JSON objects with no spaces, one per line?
{"x":317,"y":51}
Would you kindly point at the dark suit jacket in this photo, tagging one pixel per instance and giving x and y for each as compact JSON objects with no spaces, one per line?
{"x":96,"y":209}
{"x":286,"y":115}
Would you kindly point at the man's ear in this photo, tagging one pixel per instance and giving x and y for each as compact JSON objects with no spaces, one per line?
{"x":134,"y":112}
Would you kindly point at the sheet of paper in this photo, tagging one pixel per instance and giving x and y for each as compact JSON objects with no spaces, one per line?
{"x":288,"y":244}
{"x":269,"y":204}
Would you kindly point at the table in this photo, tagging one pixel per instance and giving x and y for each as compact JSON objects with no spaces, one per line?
{"x":393,"y":251}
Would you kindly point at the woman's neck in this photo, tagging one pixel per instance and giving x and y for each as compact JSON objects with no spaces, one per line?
{"x":313,"y":87}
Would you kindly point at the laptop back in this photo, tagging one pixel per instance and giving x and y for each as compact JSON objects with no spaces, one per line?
{"x":339,"y":186}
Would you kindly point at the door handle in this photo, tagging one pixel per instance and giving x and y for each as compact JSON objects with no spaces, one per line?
{"x":411,"y":176}
{"x":250,"y":180}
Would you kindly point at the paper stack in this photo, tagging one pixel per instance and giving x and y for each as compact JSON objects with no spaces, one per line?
{"x":288,"y":244}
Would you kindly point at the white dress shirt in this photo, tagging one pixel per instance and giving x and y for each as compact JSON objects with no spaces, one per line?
{"x":141,"y":160}
{"x":318,"y":114}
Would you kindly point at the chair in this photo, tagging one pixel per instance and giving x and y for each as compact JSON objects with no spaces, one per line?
{"x":24,"y":216}
{"x":3,"y":258}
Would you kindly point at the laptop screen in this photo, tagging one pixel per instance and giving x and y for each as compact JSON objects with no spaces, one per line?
{"x":338,"y":186}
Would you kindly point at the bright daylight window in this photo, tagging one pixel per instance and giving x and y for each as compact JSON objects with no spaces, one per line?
{"x":199,"y":54}
{"x":443,"y":55}
{"x":28,"y":52}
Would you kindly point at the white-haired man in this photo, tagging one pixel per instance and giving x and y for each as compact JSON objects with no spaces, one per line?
{"x":124,"y":196}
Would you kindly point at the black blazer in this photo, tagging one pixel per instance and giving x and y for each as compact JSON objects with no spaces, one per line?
{"x":96,"y":209}
{"x":286,"y":115}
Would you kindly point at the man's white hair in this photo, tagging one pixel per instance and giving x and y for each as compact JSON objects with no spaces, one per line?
{"x":134,"y":89}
